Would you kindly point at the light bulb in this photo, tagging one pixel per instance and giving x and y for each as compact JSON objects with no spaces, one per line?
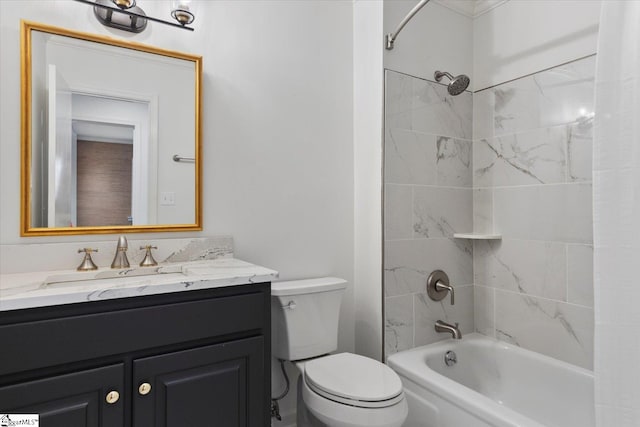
{"x":124,"y":4}
{"x":182,"y":11}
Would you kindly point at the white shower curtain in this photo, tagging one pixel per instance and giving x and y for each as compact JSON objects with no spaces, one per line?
{"x":616,"y":183}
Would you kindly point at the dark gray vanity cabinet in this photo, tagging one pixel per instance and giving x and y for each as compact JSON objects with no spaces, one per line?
{"x":73,"y":399}
{"x":195,"y":387}
{"x":198,"y":358}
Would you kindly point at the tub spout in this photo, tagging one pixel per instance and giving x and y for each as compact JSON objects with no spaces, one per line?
{"x":445,"y":327}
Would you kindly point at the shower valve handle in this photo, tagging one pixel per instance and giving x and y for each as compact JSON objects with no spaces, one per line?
{"x":447,"y":288}
{"x":438,"y":286}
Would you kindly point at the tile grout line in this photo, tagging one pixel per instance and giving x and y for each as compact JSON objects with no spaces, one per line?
{"x":413,"y":213}
{"x":445,"y":187}
{"x":477,"y":139}
{"x":508,"y":239}
{"x":546,"y":184}
{"x":534,"y":73}
{"x":413,"y":316}
{"x":537,"y":297}
{"x":566,"y":266}
{"x":420,"y":132}
{"x":495,"y":304}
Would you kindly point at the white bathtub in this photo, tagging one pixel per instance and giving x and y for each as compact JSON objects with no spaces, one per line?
{"x":492,"y":384}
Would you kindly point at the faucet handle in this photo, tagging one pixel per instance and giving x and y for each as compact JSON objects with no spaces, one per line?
{"x":447,"y":288}
{"x":438,"y":286}
{"x":87,"y":263}
{"x":87,"y":250}
{"x":148,"y":260}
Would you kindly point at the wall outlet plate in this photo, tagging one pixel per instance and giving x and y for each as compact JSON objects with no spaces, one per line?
{"x":167,"y":198}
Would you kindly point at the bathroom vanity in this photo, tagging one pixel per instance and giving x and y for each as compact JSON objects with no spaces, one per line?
{"x":145,"y":351}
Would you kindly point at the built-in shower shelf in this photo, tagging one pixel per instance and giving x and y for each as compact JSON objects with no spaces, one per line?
{"x":477,"y":236}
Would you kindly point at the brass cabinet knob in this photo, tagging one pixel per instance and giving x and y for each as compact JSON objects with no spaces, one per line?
{"x":112,"y":397}
{"x":144,"y":389}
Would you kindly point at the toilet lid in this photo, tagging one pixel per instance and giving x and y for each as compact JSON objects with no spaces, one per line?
{"x":353,"y":377}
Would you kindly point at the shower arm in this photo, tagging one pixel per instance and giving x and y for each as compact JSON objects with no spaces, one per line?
{"x":391,"y":37}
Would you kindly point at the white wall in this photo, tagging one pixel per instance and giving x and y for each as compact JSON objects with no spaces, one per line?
{"x":367,"y":134}
{"x":437,"y":38}
{"x":523,"y":37}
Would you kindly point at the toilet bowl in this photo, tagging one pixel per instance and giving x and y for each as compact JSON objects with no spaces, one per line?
{"x":348,"y":390}
{"x":339,"y":390}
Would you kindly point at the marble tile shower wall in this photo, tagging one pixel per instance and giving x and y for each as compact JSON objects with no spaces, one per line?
{"x":428,"y":197}
{"x":532,"y":183}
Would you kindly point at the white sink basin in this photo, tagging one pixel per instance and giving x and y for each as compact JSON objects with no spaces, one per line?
{"x":178,"y":269}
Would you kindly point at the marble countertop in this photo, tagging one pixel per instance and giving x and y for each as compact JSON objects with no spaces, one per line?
{"x":28,"y":290}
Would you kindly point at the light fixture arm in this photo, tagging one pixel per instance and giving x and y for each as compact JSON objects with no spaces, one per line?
{"x":133,"y":14}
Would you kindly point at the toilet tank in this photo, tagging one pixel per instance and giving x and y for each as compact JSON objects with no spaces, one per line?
{"x":304,"y":317}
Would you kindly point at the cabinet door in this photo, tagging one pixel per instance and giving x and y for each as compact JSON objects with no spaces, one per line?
{"x":218,"y":385}
{"x":77,"y":399}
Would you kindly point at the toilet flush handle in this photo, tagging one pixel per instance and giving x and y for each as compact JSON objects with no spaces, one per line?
{"x":291,"y":305}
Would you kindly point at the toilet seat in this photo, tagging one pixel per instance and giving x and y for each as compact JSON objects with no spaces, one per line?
{"x":354,"y":380}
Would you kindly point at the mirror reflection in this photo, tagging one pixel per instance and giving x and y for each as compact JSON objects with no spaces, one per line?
{"x":105,"y":124}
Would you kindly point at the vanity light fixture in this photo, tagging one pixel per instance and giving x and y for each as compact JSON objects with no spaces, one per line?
{"x":126,"y":15}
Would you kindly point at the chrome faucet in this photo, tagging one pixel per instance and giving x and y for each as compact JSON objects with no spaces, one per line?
{"x":120,"y":259}
{"x":445,"y":327}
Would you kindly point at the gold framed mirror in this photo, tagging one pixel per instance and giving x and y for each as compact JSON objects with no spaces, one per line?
{"x":111,"y":135}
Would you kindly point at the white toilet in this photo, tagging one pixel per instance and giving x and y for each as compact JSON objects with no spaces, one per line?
{"x":339,"y":390}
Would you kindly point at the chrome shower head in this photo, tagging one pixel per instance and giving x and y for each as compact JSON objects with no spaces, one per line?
{"x":457,"y":85}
